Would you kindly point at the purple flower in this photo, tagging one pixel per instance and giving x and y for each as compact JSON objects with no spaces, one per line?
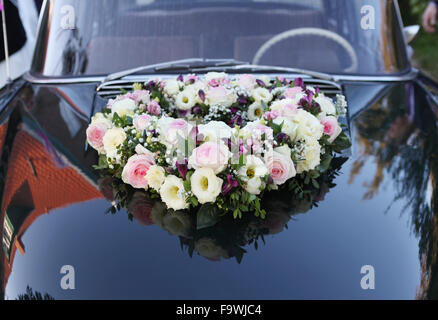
{"x":183,"y":113}
{"x":242,"y":100}
{"x":229,"y":185}
{"x":234,"y":110}
{"x":150,"y":85}
{"x":236,"y":120}
{"x":180,"y":78}
{"x":282,"y":137}
{"x":260,"y":83}
{"x":182,"y":168}
{"x":299,"y":82}
{"x":201,"y":94}
{"x":196,"y":109}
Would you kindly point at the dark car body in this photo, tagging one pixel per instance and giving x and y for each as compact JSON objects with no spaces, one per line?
{"x":381,"y":212}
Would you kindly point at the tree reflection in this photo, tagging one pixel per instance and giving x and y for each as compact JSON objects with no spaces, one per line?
{"x":400,"y":135}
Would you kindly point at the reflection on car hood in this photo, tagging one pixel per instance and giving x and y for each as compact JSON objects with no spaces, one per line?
{"x":380,"y":213}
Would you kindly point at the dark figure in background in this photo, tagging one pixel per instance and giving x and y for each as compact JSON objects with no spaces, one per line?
{"x":16,"y":33}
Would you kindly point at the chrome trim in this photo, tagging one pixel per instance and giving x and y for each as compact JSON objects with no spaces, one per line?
{"x":60,"y":80}
{"x":410,"y":75}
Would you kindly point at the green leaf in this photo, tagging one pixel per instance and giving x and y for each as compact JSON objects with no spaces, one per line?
{"x":208,"y":216}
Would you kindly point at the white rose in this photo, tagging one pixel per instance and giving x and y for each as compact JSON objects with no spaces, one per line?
{"x":155,"y":177}
{"x":255,"y":111}
{"x":177,"y":223}
{"x":312,"y":155}
{"x":111,"y":140}
{"x":220,"y":96}
{"x":214,"y":131}
{"x":208,"y":248}
{"x":289,"y":127}
{"x":309,"y":127}
{"x":123,"y":107}
{"x":326,"y":104}
{"x":173,"y":194}
{"x":206,"y":186}
{"x":163,"y":124}
{"x":262,"y":94}
{"x":185,"y":100}
{"x":279,"y":104}
{"x":171,"y":87}
{"x":284,"y":150}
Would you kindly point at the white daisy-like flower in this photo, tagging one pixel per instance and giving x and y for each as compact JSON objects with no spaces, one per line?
{"x":255,"y":111}
{"x":206,"y":186}
{"x":186,"y":99}
{"x":172,"y":193}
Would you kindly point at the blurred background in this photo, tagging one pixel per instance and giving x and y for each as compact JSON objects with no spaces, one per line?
{"x":426,"y":44}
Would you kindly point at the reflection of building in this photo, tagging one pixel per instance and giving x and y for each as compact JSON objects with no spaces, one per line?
{"x":35,"y":184}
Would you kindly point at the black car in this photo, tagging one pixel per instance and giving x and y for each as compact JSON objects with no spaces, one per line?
{"x":372,"y":236}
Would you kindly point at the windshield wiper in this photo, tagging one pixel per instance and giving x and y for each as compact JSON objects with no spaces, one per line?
{"x":266,"y":68}
{"x":207,"y":65}
{"x":177,"y":65}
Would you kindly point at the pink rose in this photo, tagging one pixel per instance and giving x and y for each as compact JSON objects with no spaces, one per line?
{"x":154,"y":108}
{"x":281,"y":167}
{"x":140,"y":207}
{"x":291,"y":93}
{"x":178,"y":127}
{"x":214,"y":155}
{"x":140,"y":96}
{"x":331,"y":127}
{"x":95,"y":133}
{"x":142,"y":122}
{"x":217,"y":95}
{"x":134,"y":172}
{"x":247,"y":81}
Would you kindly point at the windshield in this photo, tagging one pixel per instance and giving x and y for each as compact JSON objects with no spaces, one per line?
{"x":361,"y":37}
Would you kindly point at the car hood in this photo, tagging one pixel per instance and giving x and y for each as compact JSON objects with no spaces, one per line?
{"x":379,"y":214}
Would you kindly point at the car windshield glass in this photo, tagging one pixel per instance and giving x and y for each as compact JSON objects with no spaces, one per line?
{"x":334,"y":36}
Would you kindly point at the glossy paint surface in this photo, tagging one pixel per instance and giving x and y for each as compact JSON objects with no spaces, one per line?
{"x":381,"y":213}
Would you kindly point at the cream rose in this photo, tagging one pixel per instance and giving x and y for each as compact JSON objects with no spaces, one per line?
{"x":172,"y":86}
{"x":308,"y":126}
{"x":289,"y":127}
{"x":262,"y":95}
{"x":327,"y":106}
{"x":206,"y":186}
{"x":312,"y":155}
{"x":214,"y":131}
{"x":111,"y":140}
{"x":155,"y":177}
{"x":123,"y":107}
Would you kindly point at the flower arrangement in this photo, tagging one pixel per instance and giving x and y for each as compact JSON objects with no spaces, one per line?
{"x":227,"y":237}
{"x":216,"y":143}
